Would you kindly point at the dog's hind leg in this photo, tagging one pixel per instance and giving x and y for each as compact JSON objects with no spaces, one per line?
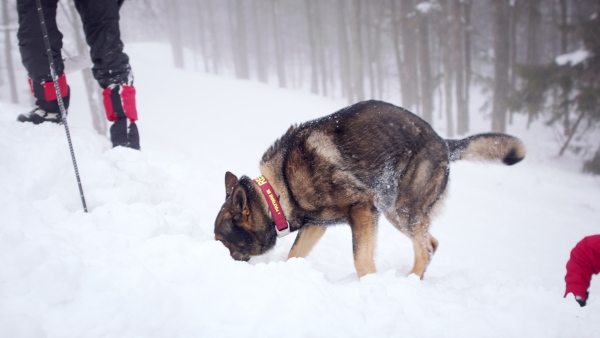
{"x":363,"y":222}
{"x":307,"y":237}
{"x":424,"y":246}
{"x":419,"y":195}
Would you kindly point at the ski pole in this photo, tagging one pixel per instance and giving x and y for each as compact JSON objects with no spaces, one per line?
{"x":61,"y":105}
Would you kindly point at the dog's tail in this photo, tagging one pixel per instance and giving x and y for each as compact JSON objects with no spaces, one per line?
{"x":487,"y":147}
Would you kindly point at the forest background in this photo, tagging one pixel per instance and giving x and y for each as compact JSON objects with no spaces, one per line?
{"x":534,"y":57}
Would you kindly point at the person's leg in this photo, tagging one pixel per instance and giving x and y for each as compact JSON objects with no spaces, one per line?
{"x":119,"y":102}
{"x":35,"y":59}
{"x":111,"y":68}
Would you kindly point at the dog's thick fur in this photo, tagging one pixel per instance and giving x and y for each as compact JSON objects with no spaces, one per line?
{"x":368,"y":159}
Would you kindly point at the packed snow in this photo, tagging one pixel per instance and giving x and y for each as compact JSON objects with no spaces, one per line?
{"x":143,"y":262}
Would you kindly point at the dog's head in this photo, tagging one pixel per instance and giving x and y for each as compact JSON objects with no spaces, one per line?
{"x":242,"y":225}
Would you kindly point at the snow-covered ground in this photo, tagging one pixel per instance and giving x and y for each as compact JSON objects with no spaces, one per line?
{"x":143,"y":262}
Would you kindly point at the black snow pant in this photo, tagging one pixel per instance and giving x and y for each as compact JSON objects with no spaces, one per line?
{"x":100,"y":20}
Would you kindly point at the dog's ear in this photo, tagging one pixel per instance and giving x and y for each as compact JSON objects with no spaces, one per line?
{"x":230,"y":181}
{"x":239,"y":201}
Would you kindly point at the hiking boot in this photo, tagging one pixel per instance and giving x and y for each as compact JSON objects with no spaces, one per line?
{"x":38,"y":115}
{"x":121,"y":137}
{"x":134,"y":137}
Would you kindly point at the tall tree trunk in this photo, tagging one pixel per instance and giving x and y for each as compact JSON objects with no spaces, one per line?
{"x":534,"y":22}
{"x":237,"y":22}
{"x":259,"y":43}
{"x":409,"y":50}
{"x":501,"y":54}
{"x":375,"y":52}
{"x":233,"y":48}
{"x":564,"y":41}
{"x":370,"y":63}
{"x":8,"y":48}
{"x":357,"y":52}
{"x":320,"y":46}
{"x":201,"y":31}
{"x":310,"y":15}
{"x":214,"y":38}
{"x":462,"y":113}
{"x":242,"y":42}
{"x":468,"y":5}
{"x":462,"y":15}
{"x":175,"y":33}
{"x":446,"y":41}
{"x":425,"y":69}
{"x":344,"y":51}
{"x":512,"y":33}
{"x":279,"y":50}
{"x":564,"y":21}
{"x":396,"y":34}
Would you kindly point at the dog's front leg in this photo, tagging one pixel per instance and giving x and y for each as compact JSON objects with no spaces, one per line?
{"x":307,"y":237}
{"x":363,"y":221}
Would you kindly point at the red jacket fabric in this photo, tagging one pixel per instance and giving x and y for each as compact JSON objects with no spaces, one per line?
{"x":584,"y":262}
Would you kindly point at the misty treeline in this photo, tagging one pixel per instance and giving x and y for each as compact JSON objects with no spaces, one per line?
{"x":427,"y":56}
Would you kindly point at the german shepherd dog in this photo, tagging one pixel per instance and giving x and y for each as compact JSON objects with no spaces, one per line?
{"x":368,"y":159}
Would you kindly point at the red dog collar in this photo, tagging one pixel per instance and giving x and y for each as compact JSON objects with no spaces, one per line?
{"x":281,"y":225}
